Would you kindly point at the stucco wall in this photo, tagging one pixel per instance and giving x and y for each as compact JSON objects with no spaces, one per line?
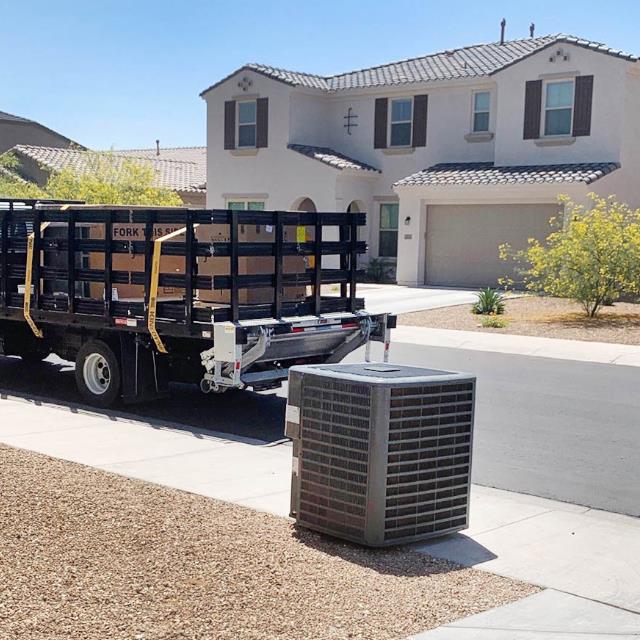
{"x":274,"y":174}
{"x":305,"y":116}
{"x":448,"y":121}
{"x":13,"y":133}
{"x":607,"y":120}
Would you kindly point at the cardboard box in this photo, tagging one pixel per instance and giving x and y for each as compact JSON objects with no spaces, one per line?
{"x":212,"y":266}
{"x":208,"y":266}
{"x":134,"y":263}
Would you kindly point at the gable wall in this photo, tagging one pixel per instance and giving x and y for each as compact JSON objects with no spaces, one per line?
{"x":607,"y":122}
{"x":13,"y":133}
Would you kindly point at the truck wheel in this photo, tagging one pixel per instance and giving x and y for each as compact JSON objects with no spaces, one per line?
{"x":98,"y":373}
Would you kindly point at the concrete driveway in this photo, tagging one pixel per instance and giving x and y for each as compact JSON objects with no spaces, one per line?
{"x":380,"y":298}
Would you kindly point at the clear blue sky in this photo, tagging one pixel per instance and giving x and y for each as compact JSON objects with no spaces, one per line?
{"x":123,"y":73}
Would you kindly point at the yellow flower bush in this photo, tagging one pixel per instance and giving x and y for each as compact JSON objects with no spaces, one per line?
{"x":593,"y":256}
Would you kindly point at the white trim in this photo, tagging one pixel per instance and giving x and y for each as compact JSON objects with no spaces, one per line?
{"x":397,"y":151}
{"x":246,"y":201}
{"x":474,"y":111}
{"x":245,"y":196}
{"x":244,"y":151}
{"x":391,"y":122}
{"x":543,"y":119}
{"x":254,"y":124}
{"x":554,"y":141}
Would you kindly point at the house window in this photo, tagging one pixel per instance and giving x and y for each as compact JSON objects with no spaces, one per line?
{"x":558,"y":108}
{"x":481,"y":110}
{"x":388,"y":239}
{"x":400,"y":122}
{"x":247,"y":123}
{"x":246,"y":205}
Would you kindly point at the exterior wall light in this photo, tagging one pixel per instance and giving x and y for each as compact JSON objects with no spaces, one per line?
{"x":407,"y":221}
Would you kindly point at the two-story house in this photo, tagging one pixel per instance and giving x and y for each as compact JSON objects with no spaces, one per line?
{"x":451,"y":154}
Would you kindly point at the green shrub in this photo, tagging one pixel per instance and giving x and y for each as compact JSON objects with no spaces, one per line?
{"x":494,"y":322}
{"x":376,"y":270}
{"x":489,"y":301}
{"x":593,"y":256}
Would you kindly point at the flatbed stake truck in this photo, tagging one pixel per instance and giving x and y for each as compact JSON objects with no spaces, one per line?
{"x":65,"y":266}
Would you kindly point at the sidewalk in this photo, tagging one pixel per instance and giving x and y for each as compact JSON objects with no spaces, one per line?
{"x":548,"y":615}
{"x":385,"y":298}
{"x":593,"y":556}
{"x":603,"y":352}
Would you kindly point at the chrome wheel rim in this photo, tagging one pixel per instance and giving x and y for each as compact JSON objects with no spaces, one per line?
{"x":97,"y":375}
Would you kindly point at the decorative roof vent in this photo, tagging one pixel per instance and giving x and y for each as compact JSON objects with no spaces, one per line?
{"x":561,"y":55}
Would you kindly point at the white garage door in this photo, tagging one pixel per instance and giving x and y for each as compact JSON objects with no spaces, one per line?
{"x":463,"y":240}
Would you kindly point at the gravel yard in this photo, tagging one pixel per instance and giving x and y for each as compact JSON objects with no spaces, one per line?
{"x":545,"y":317}
{"x":90,"y":555}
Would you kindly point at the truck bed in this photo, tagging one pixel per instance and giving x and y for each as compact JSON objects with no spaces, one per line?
{"x":62,"y":275}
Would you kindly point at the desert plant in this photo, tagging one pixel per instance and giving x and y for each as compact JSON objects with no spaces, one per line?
{"x":489,"y":301}
{"x":105,"y":178}
{"x":593,"y":257}
{"x":377,"y":270}
{"x":494,"y":322}
{"x":102,"y":178}
{"x":11,"y":184}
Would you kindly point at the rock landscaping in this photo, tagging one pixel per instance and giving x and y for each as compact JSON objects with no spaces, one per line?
{"x":540,"y":316}
{"x":90,"y":555}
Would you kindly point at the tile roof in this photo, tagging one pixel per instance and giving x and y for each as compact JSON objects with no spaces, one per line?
{"x":474,"y":173}
{"x":331,"y":157}
{"x":172,"y":174}
{"x":466,"y":62}
{"x":183,"y":154}
{"x":11,"y":118}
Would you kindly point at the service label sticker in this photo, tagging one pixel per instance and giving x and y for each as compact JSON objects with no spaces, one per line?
{"x":293,"y":414}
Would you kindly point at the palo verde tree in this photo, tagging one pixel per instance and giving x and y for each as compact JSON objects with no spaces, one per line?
{"x":100,"y":178}
{"x":11,"y":184}
{"x":105,"y":178}
{"x":593,"y":256}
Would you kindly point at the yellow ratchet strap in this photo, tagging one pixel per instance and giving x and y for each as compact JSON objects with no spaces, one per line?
{"x":28,"y":277}
{"x":153,"y":287}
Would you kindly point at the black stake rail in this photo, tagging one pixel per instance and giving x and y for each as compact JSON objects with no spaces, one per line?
{"x":175,"y":317}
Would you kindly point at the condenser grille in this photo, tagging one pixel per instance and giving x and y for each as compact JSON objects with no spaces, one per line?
{"x":334,"y":455}
{"x":429,"y":459}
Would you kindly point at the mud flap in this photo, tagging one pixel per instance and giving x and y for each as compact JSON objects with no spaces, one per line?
{"x":145,"y":373}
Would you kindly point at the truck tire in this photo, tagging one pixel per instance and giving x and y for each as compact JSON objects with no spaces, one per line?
{"x":98,"y":373}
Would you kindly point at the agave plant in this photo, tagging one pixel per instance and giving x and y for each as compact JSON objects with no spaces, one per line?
{"x":489,"y":302}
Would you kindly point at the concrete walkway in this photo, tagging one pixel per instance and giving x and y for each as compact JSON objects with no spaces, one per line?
{"x":593,"y":556}
{"x":548,"y":615}
{"x":603,"y":352}
{"x":392,"y":298}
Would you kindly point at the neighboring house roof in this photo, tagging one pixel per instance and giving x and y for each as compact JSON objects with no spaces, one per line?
{"x":467,"y":62}
{"x":183,"y":154}
{"x":171,"y":174}
{"x":9,"y":117}
{"x":475,"y":173}
{"x":331,"y":157}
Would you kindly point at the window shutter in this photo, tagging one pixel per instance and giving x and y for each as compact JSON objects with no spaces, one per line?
{"x":380,"y":125}
{"x":532,"y":109}
{"x":230,"y":124}
{"x":262,"y":122}
{"x":582,"y":106}
{"x":420,"y":104}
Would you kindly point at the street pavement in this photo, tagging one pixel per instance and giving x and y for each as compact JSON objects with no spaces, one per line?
{"x":560,"y":429}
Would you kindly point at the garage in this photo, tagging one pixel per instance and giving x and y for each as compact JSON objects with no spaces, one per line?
{"x":462,"y":240}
